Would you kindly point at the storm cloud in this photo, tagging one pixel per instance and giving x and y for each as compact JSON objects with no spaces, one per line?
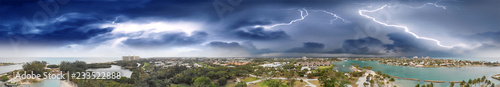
{"x":235,"y":28}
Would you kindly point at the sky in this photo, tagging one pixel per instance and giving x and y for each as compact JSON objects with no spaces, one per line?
{"x":249,"y":28}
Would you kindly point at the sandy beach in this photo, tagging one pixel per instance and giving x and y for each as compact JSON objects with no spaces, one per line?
{"x":65,"y":83}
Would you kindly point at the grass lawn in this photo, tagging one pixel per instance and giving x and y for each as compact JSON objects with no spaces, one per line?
{"x":230,"y":85}
{"x":297,"y":83}
{"x":258,"y":84}
{"x":249,"y":79}
{"x":145,"y":64}
{"x":325,"y":67}
{"x":315,"y":82}
{"x":180,"y":85}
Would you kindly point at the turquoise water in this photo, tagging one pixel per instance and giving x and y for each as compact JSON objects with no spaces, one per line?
{"x":45,"y":83}
{"x":438,"y":73}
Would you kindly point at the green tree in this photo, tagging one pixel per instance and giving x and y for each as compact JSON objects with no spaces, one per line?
{"x":418,"y":85}
{"x":222,"y":81}
{"x":452,"y":84}
{"x":367,"y":67}
{"x":392,"y":80}
{"x":462,"y":83}
{"x":37,"y":67}
{"x":52,"y":66}
{"x":202,"y":82}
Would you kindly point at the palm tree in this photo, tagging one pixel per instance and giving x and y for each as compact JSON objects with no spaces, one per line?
{"x":462,"y":83}
{"x":474,"y":82}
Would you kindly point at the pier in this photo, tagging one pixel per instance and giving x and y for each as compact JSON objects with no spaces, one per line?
{"x":433,"y":81}
{"x":455,"y":81}
{"x":396,"y":77}
{"x":412,"y":79}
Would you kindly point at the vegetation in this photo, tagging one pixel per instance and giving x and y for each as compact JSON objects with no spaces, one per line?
{"x":77,"y":66}
{"x":275,"y":83}
{"x":4,"y":78}
{"x":53,"y":66}
{"x":222,"y":81}
{"x":367,"y":67}
{"x":4,"y":64}
{"x":203,"y":82}
{"x":37,"y":67}
{"x":99,"y":83}
{"x":330,"y":78}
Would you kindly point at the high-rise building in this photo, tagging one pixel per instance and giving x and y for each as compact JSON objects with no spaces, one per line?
{"x":130,"y":58}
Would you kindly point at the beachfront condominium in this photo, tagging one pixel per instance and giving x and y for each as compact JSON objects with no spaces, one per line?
{"x":130,"y":58}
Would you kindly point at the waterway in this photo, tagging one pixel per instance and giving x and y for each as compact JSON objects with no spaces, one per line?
{"x":438,"y":73}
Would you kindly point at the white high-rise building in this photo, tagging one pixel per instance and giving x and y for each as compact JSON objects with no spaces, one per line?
{"x":130,"y":58}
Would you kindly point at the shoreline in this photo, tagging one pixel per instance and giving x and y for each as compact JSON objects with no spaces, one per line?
{"x":497,"y":76}
{"x":66,"y":83}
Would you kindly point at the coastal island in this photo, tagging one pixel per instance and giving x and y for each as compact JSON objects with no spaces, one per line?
{"x":5,"y":64}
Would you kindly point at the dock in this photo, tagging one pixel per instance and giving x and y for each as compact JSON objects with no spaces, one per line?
{"x":395,"y":77}
{"x":412,"y":79}
{"x":433,"y":81}
{"x":455,"y":81}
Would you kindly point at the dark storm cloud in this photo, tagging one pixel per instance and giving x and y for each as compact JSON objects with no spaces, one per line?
{"x":361,"y":46}
{"x":167,"y":40}
{"x":246,"y":46}
{"x":308,"y":47}
{"x":487,"y":36}
{"x":69,"y":35}
{"x":261,"y":34}
{"x":68,"y":29}
{"x":220,"y":44}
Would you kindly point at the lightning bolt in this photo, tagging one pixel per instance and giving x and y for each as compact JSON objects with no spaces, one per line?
{"x":334,"y":15}
{"x":291,"y":22}
{"x":303,"y":14}
{"x":434,"y":4}
{"x":402,"y":27}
